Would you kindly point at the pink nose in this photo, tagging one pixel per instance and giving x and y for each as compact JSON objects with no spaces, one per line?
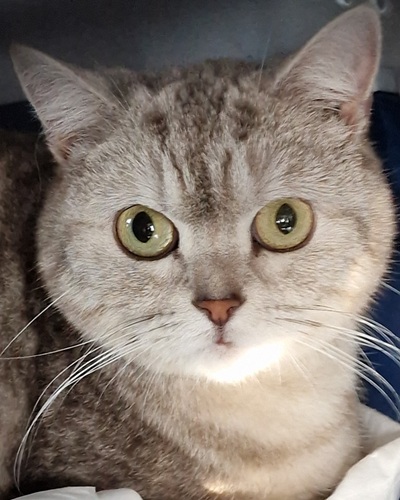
{"x":219,"y":311}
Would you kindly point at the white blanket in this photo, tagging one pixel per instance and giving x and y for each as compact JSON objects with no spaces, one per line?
{"x":375,"y":477}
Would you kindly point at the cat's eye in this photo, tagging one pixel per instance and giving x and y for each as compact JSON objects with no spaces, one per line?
{"x":145,"y":233}
{"x":283,"y":225}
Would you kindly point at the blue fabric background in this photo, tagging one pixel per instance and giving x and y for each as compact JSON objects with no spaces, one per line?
{"x":385,"y":134}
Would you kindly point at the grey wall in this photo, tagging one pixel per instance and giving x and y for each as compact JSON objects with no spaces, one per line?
{"x":155,"y":33}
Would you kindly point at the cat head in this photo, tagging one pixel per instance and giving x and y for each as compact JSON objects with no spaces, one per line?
{"x":219,"y":220}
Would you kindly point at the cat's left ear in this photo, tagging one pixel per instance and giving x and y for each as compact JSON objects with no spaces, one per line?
{"x":337,"y":67}
{"x":73,"y":105}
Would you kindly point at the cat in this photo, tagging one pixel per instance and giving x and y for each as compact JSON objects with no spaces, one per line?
{"x":181,"y":278}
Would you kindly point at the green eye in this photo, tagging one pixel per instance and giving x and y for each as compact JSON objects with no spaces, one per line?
{"x":145,"y":233}
{"x":283,"y":225}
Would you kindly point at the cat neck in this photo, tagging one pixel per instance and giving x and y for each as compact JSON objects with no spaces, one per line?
{"x":238,"y":432}
{"x":272,"y":397}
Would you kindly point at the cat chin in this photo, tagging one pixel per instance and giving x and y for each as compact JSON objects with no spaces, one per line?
{"x":232,"y":365}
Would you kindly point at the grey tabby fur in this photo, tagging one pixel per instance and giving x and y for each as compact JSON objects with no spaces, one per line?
{"x":149,"y":400}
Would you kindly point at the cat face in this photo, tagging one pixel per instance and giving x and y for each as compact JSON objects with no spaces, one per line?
{"x":210,"y":155}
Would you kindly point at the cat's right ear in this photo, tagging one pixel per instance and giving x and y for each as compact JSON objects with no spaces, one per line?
{"x":73,"y":105}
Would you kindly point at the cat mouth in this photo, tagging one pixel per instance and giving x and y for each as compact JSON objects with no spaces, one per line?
{"x":220,"y":337}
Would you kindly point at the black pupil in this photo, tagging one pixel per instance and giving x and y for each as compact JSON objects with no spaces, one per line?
{"x":285,"y":218}
{"x":143,"y":227}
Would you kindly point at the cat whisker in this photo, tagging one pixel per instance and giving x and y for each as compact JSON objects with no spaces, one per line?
{"x":391,"y":288}
{"x":99,"y":362}
{"x":48,"y":353}
{"x":41,"y":412}
{"x":33,"y":420}
{"x":22,"y":447}
{"x":387,"y":346}
{"x":369,"y":341}
{"x":364,"y":339}
{"x":357,"y":336}
{"x":357,"y":366}
{"x":57,"y":351}
{"x":366,"y":360}
{"x":302,"y":370}
{"x":265,"y":55}
{"x":106,"y":342}
{"x":357,"y":370}
{"x":32,"y":321}
{"x":129,"y":361}
{"x":377,"y":327}
{"x":126,"y":350}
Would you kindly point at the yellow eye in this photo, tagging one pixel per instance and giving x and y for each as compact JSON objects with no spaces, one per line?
{"x":283,"y":225}
{"x":145,"y":233}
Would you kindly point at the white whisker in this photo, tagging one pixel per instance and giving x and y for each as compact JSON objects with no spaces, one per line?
{"x":357,"y":367}
{"x":82,"y":369}
{"x":391,"y":288}
{"x":32,"y":321}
